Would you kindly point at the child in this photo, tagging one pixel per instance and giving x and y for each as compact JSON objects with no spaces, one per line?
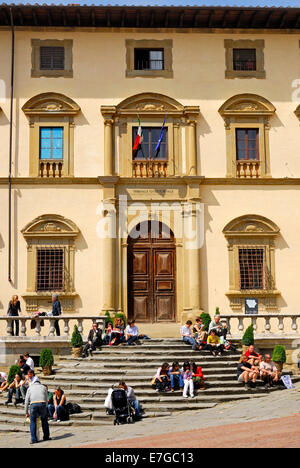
{"x":176,"y":377}
{"x":187,"y":376}
{"x":198,"y":376}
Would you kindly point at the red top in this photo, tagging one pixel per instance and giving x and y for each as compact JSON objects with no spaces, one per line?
{"x":248,"y":354}
{"x":199,"y":373}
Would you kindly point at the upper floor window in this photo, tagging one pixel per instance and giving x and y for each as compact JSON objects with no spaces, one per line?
{"x":50,"y":269}
{"x":148,"y":59}
{"x":148,"y":149}
{"x":244,"y":59}
{"x":247,"y":144}
{"x":251,"y":262}
{"x":52,"y":58}
{"x":51,"y":143}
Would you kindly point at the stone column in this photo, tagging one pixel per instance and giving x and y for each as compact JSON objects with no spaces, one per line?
{"x":192,"y":273}
{"x":192,"y":170}
{"x":108,"y":261}
{"x":108,"y":147}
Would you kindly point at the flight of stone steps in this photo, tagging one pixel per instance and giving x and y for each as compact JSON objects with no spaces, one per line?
{"x":87,"y":381}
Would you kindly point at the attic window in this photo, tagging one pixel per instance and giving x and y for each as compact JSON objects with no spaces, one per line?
{"x":52,"y":58}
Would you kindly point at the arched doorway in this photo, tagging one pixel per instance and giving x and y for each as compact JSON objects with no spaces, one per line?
{"x":151,"y":266}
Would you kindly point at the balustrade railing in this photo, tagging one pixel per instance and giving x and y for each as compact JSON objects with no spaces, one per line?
{"x":50,"y":321}
{"x":263,"y":324}
{"x":149,"y":169}
{"x":51,"y":168}
{"x":248,"y":169}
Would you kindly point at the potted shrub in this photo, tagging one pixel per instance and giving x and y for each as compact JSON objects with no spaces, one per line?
{"x":279,"y":357}
{"x":248,"y":338}
{"x":13,"y":371}
{"x":46,"y":361}
{"x":76,"y":342}
{"x":206,"y":320}
{"x":218,"y":311}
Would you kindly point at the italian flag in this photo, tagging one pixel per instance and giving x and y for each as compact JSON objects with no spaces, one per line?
{"x":139,"y":138}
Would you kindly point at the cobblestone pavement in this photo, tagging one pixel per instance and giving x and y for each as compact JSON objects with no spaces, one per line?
{"x":283,"y":404}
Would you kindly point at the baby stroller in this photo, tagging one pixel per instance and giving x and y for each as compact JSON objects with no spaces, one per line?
{"x":121,"y":406}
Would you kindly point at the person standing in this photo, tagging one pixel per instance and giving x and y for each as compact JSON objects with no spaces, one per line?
{"x":56,"y":312}
{"x":36,"y":406}
{"x":14,"y":308}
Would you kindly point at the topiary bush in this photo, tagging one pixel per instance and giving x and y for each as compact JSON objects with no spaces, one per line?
{"x":76,"y":340}
{"x":279,"y":354}
{"x":206,"y":319}
{"x":46,"y":358}
{"x":13,"y":371}
{"x":108,"y":318}
{"x":218,"y":311}
{"x":248,"y":338}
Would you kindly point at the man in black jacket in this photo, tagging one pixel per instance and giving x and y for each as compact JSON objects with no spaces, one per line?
{"x":94,"y":341}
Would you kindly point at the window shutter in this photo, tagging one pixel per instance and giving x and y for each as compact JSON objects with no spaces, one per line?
{"x":52,"y":58}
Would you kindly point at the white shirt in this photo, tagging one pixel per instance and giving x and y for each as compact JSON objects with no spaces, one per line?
{"x":30,"y":363}
{"x":3,"y":377}
{"x":134,"y":331}
{"x":186,"y":331}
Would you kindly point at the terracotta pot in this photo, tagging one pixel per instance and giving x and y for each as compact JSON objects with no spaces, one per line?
{"x":279,"y":366}
{"x":77,"y":352}
{"x":47,"y":370}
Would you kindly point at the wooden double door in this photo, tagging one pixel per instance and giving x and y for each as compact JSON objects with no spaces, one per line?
{"x":152,"y":274}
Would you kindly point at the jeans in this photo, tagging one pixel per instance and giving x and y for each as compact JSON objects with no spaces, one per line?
{"x":39,"y":410}
{"x":17,"y":392}
{"x":61,"y":412}
{"x":23,"y":390}
{"x":15,"y":325}
{"x":176,"y":380}
{"x":135,"y":404}
{"x":161,"y":386}
{"x":132,"y":339}
{"x":189,"y":339}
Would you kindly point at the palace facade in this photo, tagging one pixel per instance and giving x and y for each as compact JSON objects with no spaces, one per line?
{"x":204,"y":213}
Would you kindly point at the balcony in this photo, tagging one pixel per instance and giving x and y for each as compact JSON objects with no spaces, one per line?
{"x":248,"y":169}
{"x":148,"y":169}
{"x":51,"y":168}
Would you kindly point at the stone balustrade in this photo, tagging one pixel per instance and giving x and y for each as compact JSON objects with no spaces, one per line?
{"x":248,"y":169}
{"x":51,"y":168}
{"x":25,"y":322}
{"x":148,"y":169}
{"x":264,"y":324}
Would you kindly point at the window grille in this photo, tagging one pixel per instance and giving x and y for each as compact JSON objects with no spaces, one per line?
{"x":50,"y":269}
{"x":52,"y":58}
{"x":149,"y":59}
{"x":244,"y":59}
{"x":252,"y":268}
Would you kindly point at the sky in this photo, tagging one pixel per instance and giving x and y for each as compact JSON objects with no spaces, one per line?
{"x":245,"y":3}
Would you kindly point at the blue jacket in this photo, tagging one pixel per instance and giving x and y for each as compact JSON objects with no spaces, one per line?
{"x":56,"y":309}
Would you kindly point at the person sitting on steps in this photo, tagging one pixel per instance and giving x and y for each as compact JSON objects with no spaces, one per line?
{"x":214,"y":344}
{"x":188,"y":381}
{"x":218,"y":327}
{"x":187,"y":333}
{"x":268,"y":372}
{"x":132,"y":399}
{"x":131,"y":333}
{"x":94,"y":341}
{"x":162,"y":378}
{"x":199,"y":380}
{"x":176,"y":377}
{"x":15,"y":389}
{"x":246,"y":373}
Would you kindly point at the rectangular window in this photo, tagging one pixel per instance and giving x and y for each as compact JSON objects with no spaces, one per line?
{"x":50,"y":269}
{"x":51,"y":143}
{"x":52,"y":58}
{"x":149,"y":59}
{"x":147,"y":149}
{"x":247,"y":144}
{"x":244,"y":59}
{"x":251,"y":262}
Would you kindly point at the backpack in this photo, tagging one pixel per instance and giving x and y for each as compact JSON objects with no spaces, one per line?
{"x":229,"y":346}
{"x":73,"y":408}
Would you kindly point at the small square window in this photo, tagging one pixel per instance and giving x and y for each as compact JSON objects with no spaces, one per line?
{"x":147,"y":59}
{"x":244,"y":59}
{"x":52,"y":58}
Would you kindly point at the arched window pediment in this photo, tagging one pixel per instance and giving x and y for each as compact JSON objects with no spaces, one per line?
{"x":50,"y":226}
{"x":149,"y":104}
{"x":247,"y":105}
{"x":297,"y":112}
{"x":251,"y":225}
{"x":46,"y":104}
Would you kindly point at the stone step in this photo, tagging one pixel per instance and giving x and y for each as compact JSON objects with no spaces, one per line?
{"x":90,"y":364}
{"x":168,"y":355}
